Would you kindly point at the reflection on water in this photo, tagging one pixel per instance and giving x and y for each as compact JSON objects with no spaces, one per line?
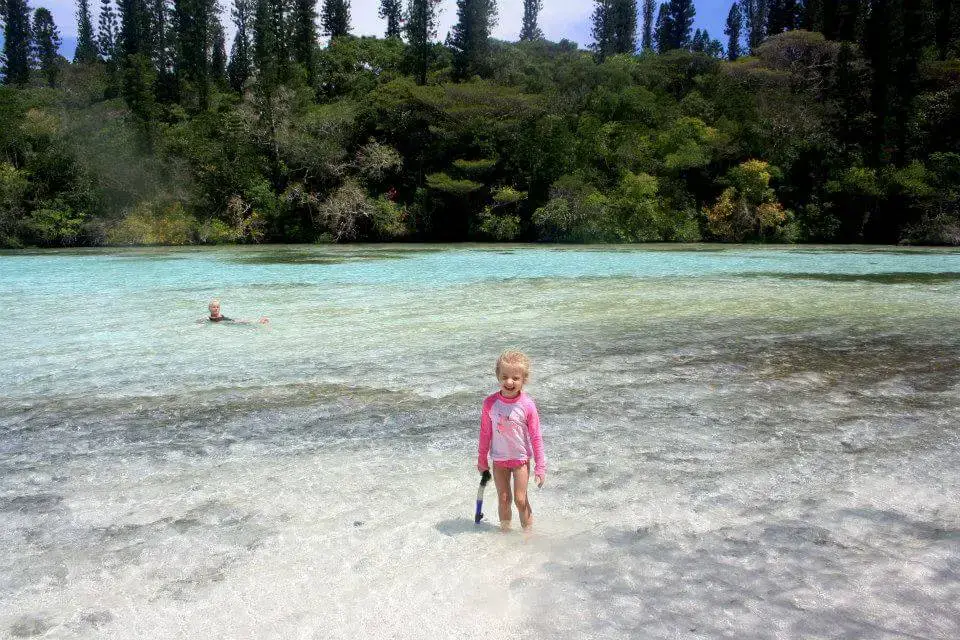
{"x":743,"y":442}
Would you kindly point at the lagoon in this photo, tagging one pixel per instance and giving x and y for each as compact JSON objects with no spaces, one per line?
{"x":745,"y":442}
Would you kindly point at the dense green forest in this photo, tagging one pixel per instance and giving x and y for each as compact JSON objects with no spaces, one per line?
{"x":816,"y":121}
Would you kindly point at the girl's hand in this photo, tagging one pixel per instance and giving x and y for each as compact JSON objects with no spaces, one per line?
{"x":481,"y":468}
{"x":540,"y":480}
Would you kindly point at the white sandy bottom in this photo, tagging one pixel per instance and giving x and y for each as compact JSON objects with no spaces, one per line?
{"x":374,"y":546}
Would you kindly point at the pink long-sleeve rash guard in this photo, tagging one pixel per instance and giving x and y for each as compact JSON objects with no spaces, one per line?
{"x":510,"y":432}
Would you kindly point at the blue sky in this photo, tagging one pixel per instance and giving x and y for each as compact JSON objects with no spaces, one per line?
{"x":559,"y":19}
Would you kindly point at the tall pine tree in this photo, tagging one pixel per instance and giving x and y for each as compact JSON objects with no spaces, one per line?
{"x":46,"y":45}
{"x":614,"y":27}
{"x":421,"y":29}
{"x":732,"y":31}
{"x":304,"y":32}
{"x":811,"y":16}
{"x":163,"y":47}
{"x":530,"y":29}
{"x":135,"y":28}
{"x":470,"y":39}
{"x":218,"y":54}
{"x":107,"y":31}
{"x":335,"y":18}
{"x":391,"y":11}
{"x":646,"y":42}
{"x":16,"y":42}
{"x":782,"y":15}
{"x":661,"y":33}
{"x":238,"y":70}
{"x":192,"y":26}
{"x":755,"y":19}
{"x":680,"y":16}
{"x":268,"y":50}
{"x":602,"y":30}
{"x":946,"y":27}
{"x":86,"y":51}
{"x":625,"y":27}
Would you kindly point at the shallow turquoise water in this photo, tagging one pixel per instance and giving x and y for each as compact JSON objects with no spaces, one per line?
{"x":740,"y":439}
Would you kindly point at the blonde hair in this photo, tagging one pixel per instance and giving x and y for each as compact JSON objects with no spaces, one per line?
{"x":512,"y":356}
{"x":214,"y":303}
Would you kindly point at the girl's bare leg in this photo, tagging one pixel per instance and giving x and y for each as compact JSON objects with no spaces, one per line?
{"x":501,"y":478}
{"x":521,"y":477}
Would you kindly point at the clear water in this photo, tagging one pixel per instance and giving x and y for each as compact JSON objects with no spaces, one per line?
{"x":742,"y":443}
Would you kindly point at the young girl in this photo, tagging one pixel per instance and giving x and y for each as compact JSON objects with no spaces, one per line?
{"x":510,"y":433}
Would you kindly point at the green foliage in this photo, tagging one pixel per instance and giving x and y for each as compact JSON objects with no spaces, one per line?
{"x":52,"y":223}
{"x":508,"y":195}
{"x":499,"y":227}
{"x":477,"y":167}
{"x":389,"y":219}
{"x":13,"y":188}
{"x":687,"y":144}
{"x":748,"y":208}
{"x":356,"y":66}
{"x":154,"y":223}
{"x":576,"y":212}
{"x":451,"y":186}
{"x":844,"y":135}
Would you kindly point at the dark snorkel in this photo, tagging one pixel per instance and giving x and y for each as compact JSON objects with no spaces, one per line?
{"x":484,"y":479}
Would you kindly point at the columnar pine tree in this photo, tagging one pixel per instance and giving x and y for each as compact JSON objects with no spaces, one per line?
{"x":16,"y":42}
{"x":46,"y":45}
{"x":775,"y":17}
{"x":135,"y":28}
{"x":266,"y":46}
{"x":86,"y":51}
{"x":755,"y":19}
{"x":107,"y":31}
{"x":680,"y":23}
{"x":335,"y":18}
{"x":218,"y":54}
{"x":163,"y":47}
{"x":135,"y":53}
{"x":530,"y":29}
{"x":602,"y":30}
{"x":191,"y":24}
{"x":811,"y":18}
{"x":625,"y":26}
{"x":732,"y":31}
{"x":391,"y":11}
{"x":782,"y":15}
{"x":661,"y":33}
{"x":470,"y":39}
{"x":304,"y":36}
{"x":946,"y":27}
{"x":421,"y":29}
{"x":849,"y":19}
{"x":648,"y":9}
{"x":238,"y":70}
{"x":614,"y":27}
